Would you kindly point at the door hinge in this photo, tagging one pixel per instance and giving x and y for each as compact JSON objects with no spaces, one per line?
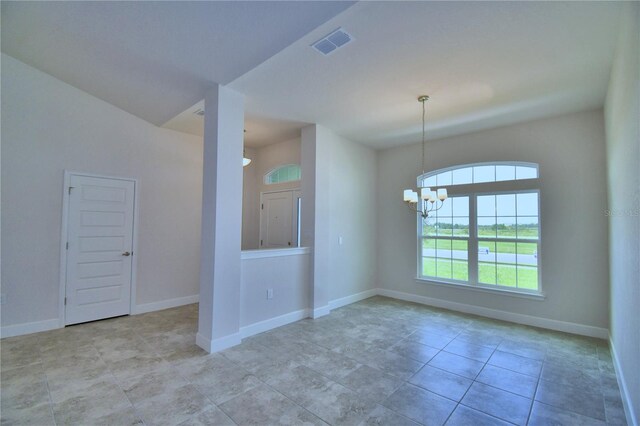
{"x":70,"y":188}
{"x":65,"y":301}
{"x":262,"y":206}
{"x":260,"y":242}
{"x":67,"y":245}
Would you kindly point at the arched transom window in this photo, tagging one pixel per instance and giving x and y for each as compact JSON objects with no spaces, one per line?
{"x":487,"y":234}
{"x":281,"y":174}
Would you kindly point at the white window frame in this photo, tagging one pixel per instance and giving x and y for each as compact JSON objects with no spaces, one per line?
{"x":473,"y":190}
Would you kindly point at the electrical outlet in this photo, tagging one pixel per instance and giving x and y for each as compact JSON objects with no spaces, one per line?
{"x":3,"y":298}
{"x":270,"y":293}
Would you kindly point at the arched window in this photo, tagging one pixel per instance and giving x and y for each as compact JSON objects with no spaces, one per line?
{"x":281,"y":174}
{"x":487,"y":234}
{"x":480,"y":173}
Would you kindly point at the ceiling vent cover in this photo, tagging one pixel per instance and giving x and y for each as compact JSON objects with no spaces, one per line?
{"x":332,"y":41}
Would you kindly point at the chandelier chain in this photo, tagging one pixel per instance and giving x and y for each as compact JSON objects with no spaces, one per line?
{"x":424,"y":201}
{"x":423,"y":142}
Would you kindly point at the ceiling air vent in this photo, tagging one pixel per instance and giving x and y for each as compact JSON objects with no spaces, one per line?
{"x":332,"y":41}
{"x":199,"y":112}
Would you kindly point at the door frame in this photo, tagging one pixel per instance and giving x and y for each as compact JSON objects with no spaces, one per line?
{"x":64,"y":235}
{"x":292,"y":190}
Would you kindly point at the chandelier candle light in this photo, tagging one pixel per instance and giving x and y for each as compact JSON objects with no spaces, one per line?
{"x":424,"y":201}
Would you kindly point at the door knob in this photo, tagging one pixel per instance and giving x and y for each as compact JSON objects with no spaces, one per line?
{"x":126,"y":253}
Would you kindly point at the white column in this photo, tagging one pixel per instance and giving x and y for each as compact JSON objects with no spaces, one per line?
{"x":315,"y":161}
{"x":219,"y":315}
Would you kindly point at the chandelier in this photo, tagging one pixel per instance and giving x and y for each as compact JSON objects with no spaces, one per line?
{"x":424,"y":201}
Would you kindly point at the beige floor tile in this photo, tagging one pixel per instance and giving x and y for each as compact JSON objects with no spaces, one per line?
{"x":363,"y":364}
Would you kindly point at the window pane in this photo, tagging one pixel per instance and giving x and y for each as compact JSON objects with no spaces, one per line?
{"x":486,"y":251}
{"x":286,"y":173}
{"x":459,"y":250}
{"x":445,"y":210}
{"x":505,"y":252}
{"x":429,"y":227}
{"x":460,"y":270}
{"x":460,"y":206}
{"x":486,"y":205}
{"x":429,"y":266}
{"x":528,"y":277}
{"x":526,"y":172}
{"x":429,"y":182}
{"x":506,"y":227}
{"x":484,"y":174}
{"x":444,"y":179}
{"x":506,"y":205}
{"x":527,"y":253}
{"x":505,"y":173}
{"x":528,"y":204}
{"x":527,"y":227}
{"x":444,"y":226}
{"x":463,"y":176}
{"x":487,"y":273}
{"x":487,"y":227}
{"x":443,"y":248}
{"x":507,"y":275}
{"x":460,"y":227}
{"x":443,"y":268}
{"x":428,"y":249}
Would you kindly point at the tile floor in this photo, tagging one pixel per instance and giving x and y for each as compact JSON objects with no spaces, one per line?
{"x":376,"y":362}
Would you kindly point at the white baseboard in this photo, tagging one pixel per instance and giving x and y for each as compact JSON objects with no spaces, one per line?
{"x":165,"y":304}
{"x":320,"y":312}
{"x":627,"y":402}
{"x":29,"y":327}
{"x":567,"y":327}
{"x":271,"y":323}
{"x":343,"y":301}
{"x":218,"y":345}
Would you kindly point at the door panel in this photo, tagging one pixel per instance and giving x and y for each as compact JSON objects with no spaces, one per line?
{"x":100,"y":237}
{"x":279,"y":219}
{"x":275,"y":220}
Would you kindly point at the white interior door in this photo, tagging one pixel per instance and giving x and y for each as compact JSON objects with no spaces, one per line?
{"x":100,"y":248}
{"x":275,"y":220}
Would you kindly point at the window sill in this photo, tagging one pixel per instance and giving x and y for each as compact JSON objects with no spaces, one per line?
{"x":482,"y":289}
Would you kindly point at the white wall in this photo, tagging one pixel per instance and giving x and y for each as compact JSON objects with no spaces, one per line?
{"x":623,"y":177}
{"x":570,"y":151}
{"x":284,"y":271}
{"x":344,"y":205}
{"x":49,"y":126}
{"x":352,"y":216}
{"x":263,"y":160}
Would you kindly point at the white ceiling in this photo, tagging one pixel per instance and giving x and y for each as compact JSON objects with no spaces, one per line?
{"x":484,"y":64}
{"x":154,"y":59}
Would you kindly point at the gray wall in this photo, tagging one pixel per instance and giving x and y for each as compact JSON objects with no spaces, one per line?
{"x":623,"y":166}
{"x":49,"y":126}
{"x":570,"y":150}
